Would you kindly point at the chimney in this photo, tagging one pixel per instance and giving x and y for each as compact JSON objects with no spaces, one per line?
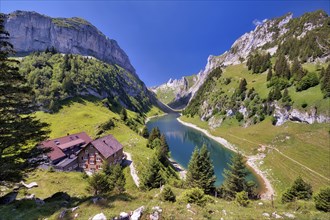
{"x":104,"y":142}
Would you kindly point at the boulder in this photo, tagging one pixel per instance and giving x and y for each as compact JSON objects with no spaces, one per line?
{"x":154,"y":216}
{"x":99,"y":216}
{"x":276,"y":216}
{"x":74,"y":208}
{"x":124,"y":216}
{"x":290,"y":215}
{"x":137,"y":213}
{"x":188,"y":206}
{"x":62,"y":214}
{"x":266,"y":214}
{"x":30,"y":185}
{"x":30,"y":196}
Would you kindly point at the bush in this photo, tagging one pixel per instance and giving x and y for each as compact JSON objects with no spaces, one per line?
{"x":167,"y":194}
{"x":322,"y":200}
{"x":299,"y":190}
{"x":304,"y":105}
{"x":307,"y":81}
{"x":239,"y":116}
{"x":195,"y":195}
{"x":242,"y":199}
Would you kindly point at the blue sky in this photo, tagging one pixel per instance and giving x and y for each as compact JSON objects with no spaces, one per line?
{"x":170,"y":39}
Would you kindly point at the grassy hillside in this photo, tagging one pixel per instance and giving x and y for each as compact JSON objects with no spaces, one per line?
{"x":306,"y":144}
{"x":86,"y":114}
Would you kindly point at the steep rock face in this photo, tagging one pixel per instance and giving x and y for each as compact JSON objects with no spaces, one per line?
{"x":30,"y":31}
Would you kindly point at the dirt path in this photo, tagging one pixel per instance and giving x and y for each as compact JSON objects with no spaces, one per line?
{"x":134,"y":175}
{"x":300,"y":164}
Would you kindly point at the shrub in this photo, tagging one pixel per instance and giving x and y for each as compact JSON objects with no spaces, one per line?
{"x":239,"y":116}
{"x":322,"y":200}
{"x":195,"y":195}
{"x":167,"y":194}
{"x":307,"y":81}
{"x":242,"y":199}
{"x":304,"y":105}
{"x":299,"y":190}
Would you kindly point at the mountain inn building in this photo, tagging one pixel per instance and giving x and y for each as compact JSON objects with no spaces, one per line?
{"x":80,"y":152}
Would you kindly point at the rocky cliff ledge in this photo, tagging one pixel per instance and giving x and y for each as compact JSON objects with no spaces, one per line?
{"x":30,"y":31}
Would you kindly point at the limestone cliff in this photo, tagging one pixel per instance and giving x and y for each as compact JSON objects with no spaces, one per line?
{"x":31,"y":31}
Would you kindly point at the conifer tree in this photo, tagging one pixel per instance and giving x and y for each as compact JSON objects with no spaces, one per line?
{"x":235,"y":179}
{"x":145,"y":132}
{"x":299,"y":190}
{"x":155,"y":133}
{"x":123,"y":114}
{"x":325,"y":82}
{"x":152,"y":176}
{"x":207,"y":171}
{"x":117,"y":179}
{"x":19,"y":131}
{"x":269,"y":74}
{"x":322,"y":200}
{"x":201,"y":171}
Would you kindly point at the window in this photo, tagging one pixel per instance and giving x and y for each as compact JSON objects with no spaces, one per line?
{"x":98,"y":159}
{"x":85,"y":157}
{"x":86,"y":151}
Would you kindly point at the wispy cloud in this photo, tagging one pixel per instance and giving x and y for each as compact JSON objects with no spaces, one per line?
{"x":256,"y":22}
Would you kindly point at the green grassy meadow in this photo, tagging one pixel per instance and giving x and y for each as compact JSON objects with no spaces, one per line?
{"x":72,"y":118}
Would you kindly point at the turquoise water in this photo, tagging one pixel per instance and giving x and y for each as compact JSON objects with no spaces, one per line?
{"x":182,"y":141}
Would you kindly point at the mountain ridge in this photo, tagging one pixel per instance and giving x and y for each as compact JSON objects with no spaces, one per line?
{"x":270,"y":36}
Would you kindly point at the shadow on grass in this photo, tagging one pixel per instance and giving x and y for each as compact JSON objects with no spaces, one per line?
{"x":58,"y":202}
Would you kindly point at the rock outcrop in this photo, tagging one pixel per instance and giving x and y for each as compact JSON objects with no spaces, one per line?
{"x":30,"y":31}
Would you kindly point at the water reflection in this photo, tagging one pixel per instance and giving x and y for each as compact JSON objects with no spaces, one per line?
{"x":182,"y":140}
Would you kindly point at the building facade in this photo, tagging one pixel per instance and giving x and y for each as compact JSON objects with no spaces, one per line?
{"x":80,"y":152}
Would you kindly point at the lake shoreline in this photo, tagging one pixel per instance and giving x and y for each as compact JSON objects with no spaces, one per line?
{"x":267,"y":192}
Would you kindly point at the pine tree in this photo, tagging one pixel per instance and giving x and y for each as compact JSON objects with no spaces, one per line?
{"x":155,"y":133}
{"x":297,"y":71}
{"x":299,"y":190}
{"x":207,"y":171}
{"x":269,"y":74}
{"x":242,"y":86}
{"x":193,"y":172}
{"x":19,"y":131}
{"x":325,"y":82}
{"x":117,"y":179}
{"x":98,"y":184}
{"x":164,"y":146}
{"x":152,"y":177}
{"x":235,"y":179}
{"x":167,"y":194}
{"x":201,"y":171}
{"x":123,"y":114}
{"x":281,"y":67}
{"x":322,"y":200}
{"x":145,"y":132}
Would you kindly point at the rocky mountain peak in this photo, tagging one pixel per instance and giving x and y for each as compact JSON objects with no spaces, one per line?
{"x":31,"y":31}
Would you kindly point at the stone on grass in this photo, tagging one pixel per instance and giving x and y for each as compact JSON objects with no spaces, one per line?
{"x":290,"y":215}
{"x":124,"y":216}
{"x":154,"y":216}
{"x":275,"y":215}
{"x":30,"y":185}
{"x":260,"y":203}
{"x":76,"y":215}
{"x":99,"y":216}
{"x":137,"y":213}
{"x":74,"y":208}
{"x":62,"y":214}
{"x":266,"y":214}
{"x":188,"y":206}
{"x":30,"y":196}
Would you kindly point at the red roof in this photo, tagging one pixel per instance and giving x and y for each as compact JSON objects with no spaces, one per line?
{"x":59,"y":144}
{"x":107,"y":145}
